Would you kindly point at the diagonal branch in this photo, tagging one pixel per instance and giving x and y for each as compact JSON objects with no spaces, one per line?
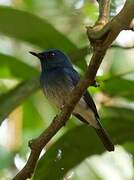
{"x":98,"y":53}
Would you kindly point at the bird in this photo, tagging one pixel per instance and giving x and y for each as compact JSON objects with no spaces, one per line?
{"x":58,"y":78}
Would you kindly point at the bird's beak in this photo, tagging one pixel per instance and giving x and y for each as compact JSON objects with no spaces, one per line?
{"x":39,"y":55}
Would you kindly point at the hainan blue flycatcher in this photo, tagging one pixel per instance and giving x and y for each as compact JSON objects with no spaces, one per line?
{"x":58,"y":78}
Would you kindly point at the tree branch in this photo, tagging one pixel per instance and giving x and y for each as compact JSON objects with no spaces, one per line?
{"x":120,"y":22}
{"x":98,"y":53}
{"x":103,"y":18}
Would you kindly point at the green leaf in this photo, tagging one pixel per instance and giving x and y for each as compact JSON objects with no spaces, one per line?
{"x":90,"y":10}
{"x":27,"y":27}
{"x":10,"y":100}
{"x":79,"y":143}
{"x":117,"y":112}
{"x":129,"y":146}
{"x":6,"y":158}
{"x":6,"y":85}
{"x":13,"y":67}
{"x":119,"y":87}
{"x":31,"y":117}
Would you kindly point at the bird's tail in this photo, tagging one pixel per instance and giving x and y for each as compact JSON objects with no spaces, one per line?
{"x":103,"y":135}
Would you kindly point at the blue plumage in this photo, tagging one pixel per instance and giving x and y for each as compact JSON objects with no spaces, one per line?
{"x":58,"y":78}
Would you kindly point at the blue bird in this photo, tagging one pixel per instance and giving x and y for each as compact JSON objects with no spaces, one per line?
{"x":58,"y":78}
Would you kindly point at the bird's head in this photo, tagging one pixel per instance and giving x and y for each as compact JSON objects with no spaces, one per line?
{"x":52,"y":58}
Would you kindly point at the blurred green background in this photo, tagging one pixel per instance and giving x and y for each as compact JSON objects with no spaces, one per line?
{"x":75,"y":153}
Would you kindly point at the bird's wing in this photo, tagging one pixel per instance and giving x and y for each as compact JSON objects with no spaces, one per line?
{"x":72,"y":75}
{"x":89,"y":101}
{"x":74,"y":78}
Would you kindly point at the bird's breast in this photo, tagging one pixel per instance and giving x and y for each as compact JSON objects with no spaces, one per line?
{"x":57,"y":90}
{"x":57,"y":94}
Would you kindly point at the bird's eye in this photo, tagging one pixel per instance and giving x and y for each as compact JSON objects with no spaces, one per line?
{"x":51,"y":54}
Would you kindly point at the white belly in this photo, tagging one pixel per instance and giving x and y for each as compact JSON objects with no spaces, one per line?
{"x":83,"y":110}
{"x":58,"y":97}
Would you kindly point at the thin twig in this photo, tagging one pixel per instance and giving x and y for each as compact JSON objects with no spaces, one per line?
{"x":38,"y":144}
{"x":103,"y":18}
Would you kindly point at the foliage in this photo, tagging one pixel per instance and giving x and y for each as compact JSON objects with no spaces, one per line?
{"x":58,"y":24}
